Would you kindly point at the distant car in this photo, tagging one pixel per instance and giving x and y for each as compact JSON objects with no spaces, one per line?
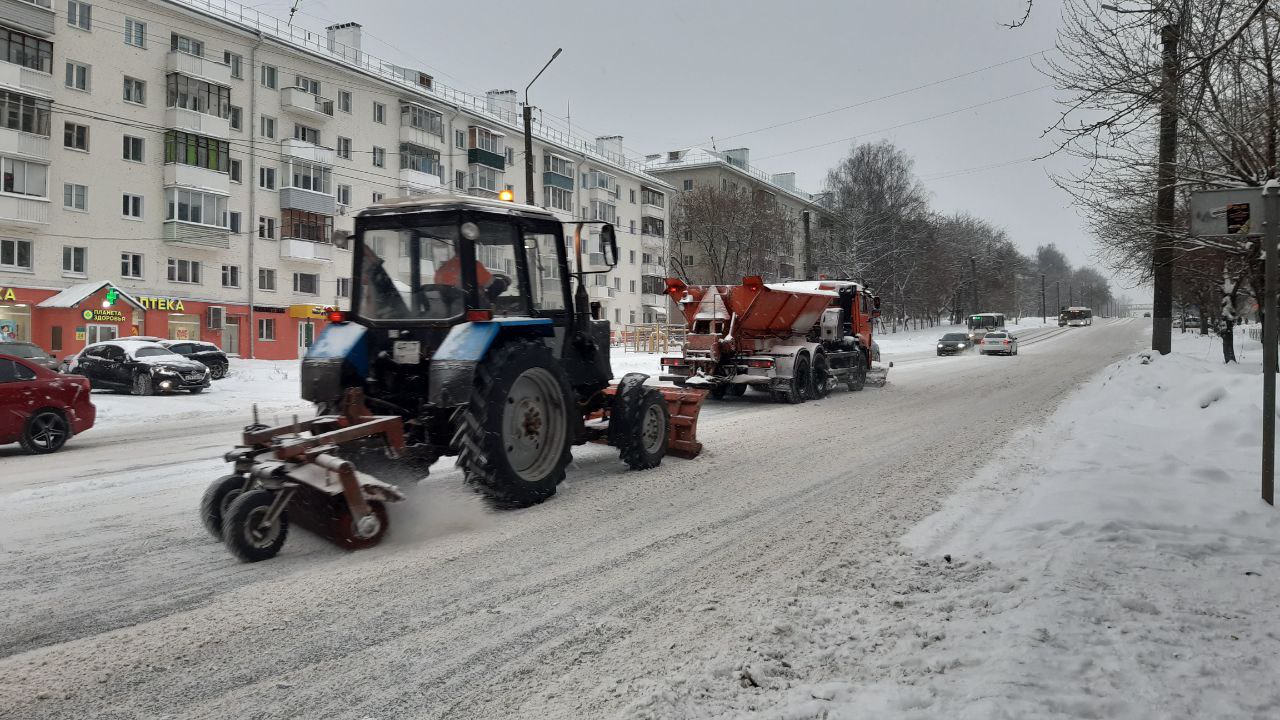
{"x":998,"y":342}
{"x":954,"y":343}
{"x":1191,"y":322}
{"x":139,"y":367}
{"x":40,"y":408}
{"x":1146,"y":314}
{"x":208,"y":354}
{"x":29,"y":351}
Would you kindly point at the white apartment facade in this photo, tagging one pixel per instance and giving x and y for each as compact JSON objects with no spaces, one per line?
{"x":198,"y":161}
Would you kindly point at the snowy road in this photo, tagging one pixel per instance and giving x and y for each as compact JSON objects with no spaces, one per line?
{"x":600,"y":603}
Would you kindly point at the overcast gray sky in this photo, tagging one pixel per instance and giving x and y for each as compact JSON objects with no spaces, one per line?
{"x":667,"y":74}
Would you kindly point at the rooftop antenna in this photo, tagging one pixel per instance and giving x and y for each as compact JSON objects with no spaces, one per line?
{"x":568,"y":116}
{"x":293,"y":10}
{"x":713,"y":144}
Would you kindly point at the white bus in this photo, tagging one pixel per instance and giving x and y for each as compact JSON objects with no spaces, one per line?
{"x":981,"y":323}
{"x":1076,"y":317}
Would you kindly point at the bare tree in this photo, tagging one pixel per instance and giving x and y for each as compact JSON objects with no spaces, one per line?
{"x":719,"y":236}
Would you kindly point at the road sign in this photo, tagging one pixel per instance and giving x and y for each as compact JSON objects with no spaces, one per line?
{"x":1236,"y":212}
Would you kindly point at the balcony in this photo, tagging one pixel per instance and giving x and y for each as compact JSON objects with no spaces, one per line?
{"x":16,"y":142}
{"x":20,"y":77}
{"x":476,"y":156}
{"x":653,"y":270}
{"x":199,"y":67}
{"x":35,"y":16}
{"x":193,"y":176}
{"x":653,"y":300}
{"x":304,"y":150}
{"x":198,"y":123}
{"x":305,"y":251}
{"x":194,"y":235}
{"x":421,"y":180}
{"x":292,"y":198}
{"x":22,"y":211}
{"x":300,"y":101}
{"x":554,"y":179}
{"x":417,"y":136}
{"x":602,"y":292}
{"x":653,"y":211}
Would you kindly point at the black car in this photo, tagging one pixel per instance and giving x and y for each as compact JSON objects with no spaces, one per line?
{"x":207,"y":354}
{"x":954,"y":343}
{"x":143,"y":368}
{"x":29,"y":351}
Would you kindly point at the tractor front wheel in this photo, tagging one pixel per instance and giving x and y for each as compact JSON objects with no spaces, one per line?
{"x":644,"y":418}
{"x":512,"y":438}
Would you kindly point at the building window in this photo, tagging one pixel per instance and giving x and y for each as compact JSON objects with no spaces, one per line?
{"x":26,"y":50}
{"x":267,"y":178}
{"x":421,"y":159}
{"x":266,"y":279}
{"x":230,"y":276}
{"x":268,"y":129}
{"x":652,"y":197}
{"x":186,"y":45}
{"x":24,"y":113}
{"x":558,"y":198}
{"x":133,"y":148}
{"x":511,"y":156}
{"x":688,"y":184}
{"x":424,"y":119}
{"x":344,"y":101}
{"x":459,"y":138}
{"x":306,"y":84}
{"x":487,"y":140}
{"x":344,"y":287}
{"x":482,"y":177}
{"x":379,"y":113}
{"x":235,"y":166}
{"x":633,"y":227}
{"x":75,"y":197}
{"x":633,"y":289}
{"x":131,"y":265}
{"x":75,"y":136}
{"x":191,"y":149}
{"x":79,"y":14}
{"x":184,"y":271}
{"x":607,"y":212}
{"x":266,"y":329}
{"x":267,"y":228}
{"x":131,"y":206}
{"x":306,"y":283}
{"x":235,"y":62}
{"x":306,"y":134}
{"x":306,"y":175}
{"x":194,"y":206}
{"x":344,"y":148}
{"x":302,"y":225}
{"x":135,"y":32}
{"x":633,"y":196}
{"x":24,"y":178}
{"x":459,"y":180}
{"x":377,"y":198}
{"x":344,"y":195}
{"x":197,"y":95}
{"x":15,"y":254}
{"x":233,"y":221}
{"x":379,"y":156}
{"x":135,"y":91}
{"x":652,"y":226}
{"x":73,"y":260}
{"x":558,"y":165}
{"x":269,"y":76}
{"x":236,"y":118}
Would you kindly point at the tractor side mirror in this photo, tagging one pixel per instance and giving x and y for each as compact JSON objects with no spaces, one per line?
{"x":609,"y":245}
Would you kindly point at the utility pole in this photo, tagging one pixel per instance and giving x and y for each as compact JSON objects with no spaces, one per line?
{"x":973,"y":264}
{"x":810,"y":270}
{"x":1043,"y":312}
{"x":1071,"y":295}
{"x":1271,"y":273}
{"x":528,"y":132}
{"x":1161,"y":253}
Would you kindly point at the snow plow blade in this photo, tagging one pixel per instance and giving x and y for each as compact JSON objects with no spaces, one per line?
{"x":292,"y":474}
{"x":683,"y":406}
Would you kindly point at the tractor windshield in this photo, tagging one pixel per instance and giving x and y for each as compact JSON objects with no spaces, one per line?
{"x":438,"y":271}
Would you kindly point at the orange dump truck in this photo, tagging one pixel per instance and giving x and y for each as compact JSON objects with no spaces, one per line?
{"x":796,"y":340}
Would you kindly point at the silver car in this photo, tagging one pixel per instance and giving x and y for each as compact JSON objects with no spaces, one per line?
{"x":998,"y":342}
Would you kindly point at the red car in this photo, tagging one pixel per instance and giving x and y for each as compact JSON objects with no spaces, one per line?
{"x":40,"y":408}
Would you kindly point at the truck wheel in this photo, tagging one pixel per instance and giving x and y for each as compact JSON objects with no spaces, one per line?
{"x":858,"y":379}
{"x":642,"y":440}
{"x":821,"y":377}
{"x":512,"y":437}
{"x":718,"y":391}
{"x":797,"y":390}
{"x":243,"y":532}
{"x":217,"y":498}
{"x":738,"y":389}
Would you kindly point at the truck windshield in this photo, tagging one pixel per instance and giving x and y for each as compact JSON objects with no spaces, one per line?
{"x":390,"y":289}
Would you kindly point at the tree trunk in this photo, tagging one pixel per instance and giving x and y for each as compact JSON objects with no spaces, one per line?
{"x":1228,"y":342}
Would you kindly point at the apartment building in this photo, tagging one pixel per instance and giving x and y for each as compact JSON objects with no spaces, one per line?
{"x":807,"y":223}
{"x":178,"y":168}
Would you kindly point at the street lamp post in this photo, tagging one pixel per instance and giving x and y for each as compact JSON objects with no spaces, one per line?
{"x":973,"y":265}
{"x":1044,"y":314}
{"x":528,"y":132}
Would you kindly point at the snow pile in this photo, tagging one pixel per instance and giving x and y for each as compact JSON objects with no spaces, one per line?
{"x":274,"y":385}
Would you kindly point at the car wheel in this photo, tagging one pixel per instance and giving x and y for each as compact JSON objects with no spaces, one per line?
{"x":45,"y":431}
{"x":217,"y":372}
{"x":142,"y":384}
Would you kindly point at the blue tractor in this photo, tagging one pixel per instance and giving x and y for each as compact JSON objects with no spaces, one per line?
{"x":470,"y":335}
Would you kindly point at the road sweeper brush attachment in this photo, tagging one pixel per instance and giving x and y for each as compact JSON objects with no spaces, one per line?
{"x":294,"y":474}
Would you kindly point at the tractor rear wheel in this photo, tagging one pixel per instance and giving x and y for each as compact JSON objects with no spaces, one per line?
{"x":512,"y":438}
{"x":642,"y":435}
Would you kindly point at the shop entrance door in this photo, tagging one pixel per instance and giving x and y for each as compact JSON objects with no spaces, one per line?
{"x":306,"y":335}
{"x":99,"y":333}
{"x":231,"y":336}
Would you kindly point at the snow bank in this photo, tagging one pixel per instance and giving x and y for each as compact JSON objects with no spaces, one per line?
{"x":1115,"y":563}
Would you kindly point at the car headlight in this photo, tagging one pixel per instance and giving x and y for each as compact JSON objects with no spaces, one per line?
{"x":939,"y":346}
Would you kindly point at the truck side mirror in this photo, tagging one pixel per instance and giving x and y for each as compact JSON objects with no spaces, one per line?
{"x":609,"y":245}
{"x":342,"y":238}
{"x":875,"y":306}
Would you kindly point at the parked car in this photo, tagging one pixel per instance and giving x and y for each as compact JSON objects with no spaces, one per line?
{"x":29,"y":351}
{"x":954,"y":343}
{"x":39,"y":408}
{"x":208,"y":354}
{"x":140,"y":367}
{"x":998,"y":342}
